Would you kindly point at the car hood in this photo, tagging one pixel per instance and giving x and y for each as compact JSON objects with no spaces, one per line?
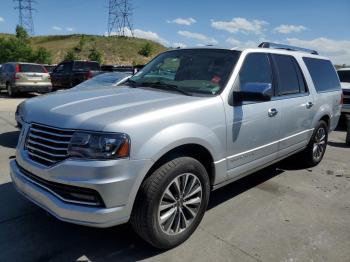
{"x":345,"y":85}
{"x":96,"y":108}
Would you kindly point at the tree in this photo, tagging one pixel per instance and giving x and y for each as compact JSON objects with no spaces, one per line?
{"x":15,"y":50}
{"x":21,"y":34}
{"x":80,"y":46}
{"x":71,"y":55}
{"x":18,"y":49}
{"x":95,"y":55}
{"x":146,"y":50}
{"x":42,"y":56}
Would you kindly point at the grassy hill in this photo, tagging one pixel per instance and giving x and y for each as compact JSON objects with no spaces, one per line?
{"x":115,"y":49}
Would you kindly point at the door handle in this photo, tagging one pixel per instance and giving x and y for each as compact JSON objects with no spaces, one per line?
{"x":309,"y":105}
{"x":272,"y":112}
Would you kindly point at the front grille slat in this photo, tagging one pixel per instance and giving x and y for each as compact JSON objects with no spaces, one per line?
{"x":49,"y":133}
{"x":40,"y":157}
{"x":45,"y":152}
{"x":48,"y":145}
{"x":47,"y":139}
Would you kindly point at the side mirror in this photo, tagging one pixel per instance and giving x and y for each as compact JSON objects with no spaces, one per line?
{"x":254,"y":92}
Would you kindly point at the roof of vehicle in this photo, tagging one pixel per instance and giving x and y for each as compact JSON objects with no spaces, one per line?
{"x":260,"y":49}
{"x":87,"y":61}
{"x":23,"y":63}
{"x":344,"y":69}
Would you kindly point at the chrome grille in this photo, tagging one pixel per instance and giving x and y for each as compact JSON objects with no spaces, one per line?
{"x":48,"y":145}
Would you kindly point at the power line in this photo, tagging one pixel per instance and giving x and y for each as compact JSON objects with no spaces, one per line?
{"x":25,"y":17}
{"x":119,"y":18}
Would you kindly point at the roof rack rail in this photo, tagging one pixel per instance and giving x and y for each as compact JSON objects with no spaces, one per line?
{"x":287,"y":47}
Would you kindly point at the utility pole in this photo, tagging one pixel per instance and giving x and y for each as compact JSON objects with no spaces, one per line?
{"x":119,"y":18}
{"x":25,"y":16}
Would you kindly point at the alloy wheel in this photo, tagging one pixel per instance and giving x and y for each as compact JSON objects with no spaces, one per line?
{"x":320,"y":143}
{"x":180,"y":204}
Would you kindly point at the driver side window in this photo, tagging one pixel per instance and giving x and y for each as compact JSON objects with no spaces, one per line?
{"x":256,"y":69}
{"x":59,"y":68}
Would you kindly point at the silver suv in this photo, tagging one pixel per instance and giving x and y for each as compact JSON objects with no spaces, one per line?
{"x":24,"y":77}
{"x":191,"y":121}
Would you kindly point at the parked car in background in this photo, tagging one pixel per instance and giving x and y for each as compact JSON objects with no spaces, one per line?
{"x":104,"y":80}
{"x":71,"y":73}
{"x":49,"y":68}
{"x":19,"y":77}
{"x":150,"y":152}
{"x":344,"y":76}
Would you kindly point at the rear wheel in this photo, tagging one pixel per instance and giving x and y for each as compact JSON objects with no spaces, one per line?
{"x":10,"y":90}
{"x":316,"y":148}
{"x":171,"y":203}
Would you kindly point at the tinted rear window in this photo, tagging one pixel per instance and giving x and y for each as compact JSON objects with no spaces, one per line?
{"x":93,"y":66}
{"x":288,"y":82}
{"x":323,"y":74}
{"x":344,"y":76}
{"x":28,"y":68}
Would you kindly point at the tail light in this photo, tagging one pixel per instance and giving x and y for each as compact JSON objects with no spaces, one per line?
{"x":342,"y":99}
{"x":88,"y":75}
{"x":17,"y":70}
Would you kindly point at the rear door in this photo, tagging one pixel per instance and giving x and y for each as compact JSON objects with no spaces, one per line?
{"x":297,"y":107}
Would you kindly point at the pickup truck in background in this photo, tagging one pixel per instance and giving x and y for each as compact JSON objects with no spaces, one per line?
{"x":71,"y":73}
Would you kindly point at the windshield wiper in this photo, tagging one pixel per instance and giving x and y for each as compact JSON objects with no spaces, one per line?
{"x":166,"y":86}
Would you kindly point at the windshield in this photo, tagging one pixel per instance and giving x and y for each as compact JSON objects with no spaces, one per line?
{"x":344,"y":75}
{"x":103,"y":80}
{"x":204,"y":71}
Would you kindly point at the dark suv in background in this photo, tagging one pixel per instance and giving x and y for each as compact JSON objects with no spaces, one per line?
{"x":71,"y":73}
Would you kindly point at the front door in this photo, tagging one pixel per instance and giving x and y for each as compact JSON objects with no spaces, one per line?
{"x":252,"y":127}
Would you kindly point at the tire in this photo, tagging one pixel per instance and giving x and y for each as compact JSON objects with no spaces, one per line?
{"x":316,"y":148}
{"x":10,"y":91}
{"x":149,"y":221}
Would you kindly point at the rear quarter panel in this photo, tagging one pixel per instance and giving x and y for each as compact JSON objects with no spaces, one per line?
{"x":325,"y":103}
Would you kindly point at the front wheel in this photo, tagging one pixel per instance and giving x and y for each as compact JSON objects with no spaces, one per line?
{"x":316,"y":148}
{"x":171,"y":203}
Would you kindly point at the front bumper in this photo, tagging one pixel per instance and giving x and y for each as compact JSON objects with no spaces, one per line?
{"x":115,"y":181}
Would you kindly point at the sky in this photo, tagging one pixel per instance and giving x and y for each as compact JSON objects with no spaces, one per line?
{"x":322,"y":25}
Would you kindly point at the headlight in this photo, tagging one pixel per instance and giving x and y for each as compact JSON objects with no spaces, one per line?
{"x":99,"y":145}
